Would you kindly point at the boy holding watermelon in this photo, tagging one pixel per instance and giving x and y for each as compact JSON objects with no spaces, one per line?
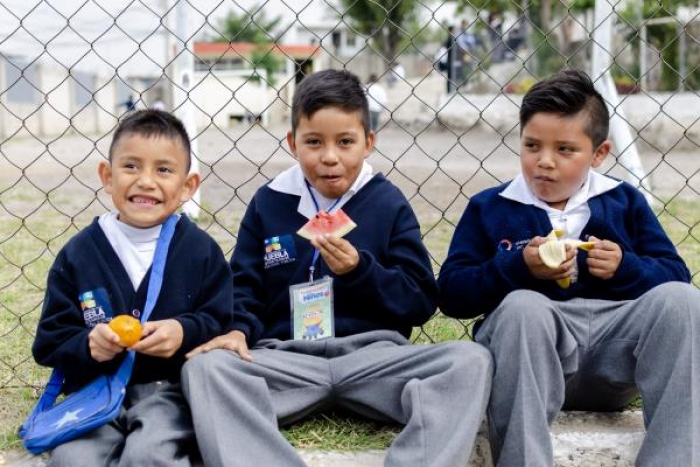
{"x":579,"y":330}
{"x":382,"y":282}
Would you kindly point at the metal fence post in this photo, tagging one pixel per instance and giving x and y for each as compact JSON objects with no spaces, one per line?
{"x":600,"y":73}
{"x":184,"y":66}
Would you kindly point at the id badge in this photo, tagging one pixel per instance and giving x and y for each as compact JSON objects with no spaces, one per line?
{"x":312,"y":310}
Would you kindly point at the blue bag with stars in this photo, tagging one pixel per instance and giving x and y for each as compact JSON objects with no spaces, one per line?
{"x":94,"y":405}
{"x":100,"y":401}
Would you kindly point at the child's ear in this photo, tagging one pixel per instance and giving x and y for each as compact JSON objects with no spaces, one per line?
{"x":369,"y":144}
{"x":601,"y":153}
{"x":104,"y":170}
{"x":190,"y":186}
{"x":292,"y":144}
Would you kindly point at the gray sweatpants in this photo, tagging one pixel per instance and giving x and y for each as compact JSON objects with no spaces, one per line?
{"x":439,"y":392}
{"x":154,"y":428}
{"x":595,"y":355}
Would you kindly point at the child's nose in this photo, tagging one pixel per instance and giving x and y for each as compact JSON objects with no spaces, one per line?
{"x":329,"y":157}
{"x":146,"y":179}
{"x":546,"y":159}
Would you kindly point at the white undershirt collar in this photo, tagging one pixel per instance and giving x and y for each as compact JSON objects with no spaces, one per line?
{"x":134,"y":247}
{"x":575,"y":215}
{"x":291,"y":182}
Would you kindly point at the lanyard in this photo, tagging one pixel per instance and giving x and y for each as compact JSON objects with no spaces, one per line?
{"x":312,"y":268}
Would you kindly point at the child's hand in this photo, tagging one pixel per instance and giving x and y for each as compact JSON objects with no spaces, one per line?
{"x":233,"y":341}
{"x":104,"y":343}
{"x":539,"y":270}
{"x":160,"y":338}
{"x":339,"y":254}
{"x":604,"y":258}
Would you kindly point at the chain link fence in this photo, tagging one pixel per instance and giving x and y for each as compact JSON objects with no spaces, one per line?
{"x":453,"y":73}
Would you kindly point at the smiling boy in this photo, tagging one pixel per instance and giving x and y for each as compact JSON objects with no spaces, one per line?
{"x":629,"y":323}
{"x":104,"y":271}
{"x":382,"y":284}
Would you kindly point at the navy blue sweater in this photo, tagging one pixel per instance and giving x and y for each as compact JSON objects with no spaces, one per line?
{"x":485,"y":260}
{"x":197,"y":291}
{"x":393,"y":287}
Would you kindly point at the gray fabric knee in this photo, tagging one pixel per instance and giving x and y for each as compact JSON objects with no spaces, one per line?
{"x":523,"y":311}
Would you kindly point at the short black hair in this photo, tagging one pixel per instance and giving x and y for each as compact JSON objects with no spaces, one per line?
{"x":567,"y":93}
{"x":330,"y":88}
{"x":151,"y":123}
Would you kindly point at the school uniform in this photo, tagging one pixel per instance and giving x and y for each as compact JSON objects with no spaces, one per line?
{"x":592,"y":346}
{"x":103,"y":272}
{"x":438,"y":391}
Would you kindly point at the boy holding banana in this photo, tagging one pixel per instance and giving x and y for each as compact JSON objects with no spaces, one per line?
{"x":586,"y":301}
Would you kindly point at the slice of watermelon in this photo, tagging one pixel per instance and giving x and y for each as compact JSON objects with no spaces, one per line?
{"x":337,"y":224}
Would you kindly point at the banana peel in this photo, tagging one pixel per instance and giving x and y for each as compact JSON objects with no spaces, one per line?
{"x":553,"y":252}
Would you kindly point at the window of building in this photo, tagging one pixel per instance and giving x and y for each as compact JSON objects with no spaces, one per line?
{"x":351,"y":39}
{"x":83,"y":88}
{"x":21,"y":81}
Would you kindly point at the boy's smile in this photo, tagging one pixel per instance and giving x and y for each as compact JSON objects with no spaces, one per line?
{"x":556,"y":154}
{"x":147,"y":179}
{"x":331,"y":147}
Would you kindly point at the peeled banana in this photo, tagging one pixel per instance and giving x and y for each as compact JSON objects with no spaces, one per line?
{"x":553,"y":252}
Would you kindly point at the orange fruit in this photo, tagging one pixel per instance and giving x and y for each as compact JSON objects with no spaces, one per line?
{"x":127,"y":328}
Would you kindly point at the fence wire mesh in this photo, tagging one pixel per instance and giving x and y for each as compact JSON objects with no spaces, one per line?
{"x":453,"y":74}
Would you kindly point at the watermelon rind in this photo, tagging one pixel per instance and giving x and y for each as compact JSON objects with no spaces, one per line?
{"x":344,"y":229}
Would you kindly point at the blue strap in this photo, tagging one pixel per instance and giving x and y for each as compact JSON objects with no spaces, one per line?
{"x":53,"y":387}
{"x":158,"y":266}
{"x":51,"y":392}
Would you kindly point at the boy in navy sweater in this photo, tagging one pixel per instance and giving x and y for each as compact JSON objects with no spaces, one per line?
{"x":628,"y":323}
{"x":383,"y":284}
{"x":104,"y":271}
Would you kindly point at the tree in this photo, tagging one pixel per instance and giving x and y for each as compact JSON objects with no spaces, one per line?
{"x":543,"y":15}
{"x":254,"y":26}
{"x":663,"y":37}
{"x":251,"y":26}
{"x":539,"y":18}
{"x":385,"y":22}
{"x":540,"y":12}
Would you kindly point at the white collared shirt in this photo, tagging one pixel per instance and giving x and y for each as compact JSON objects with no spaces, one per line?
{"x":575,"y":215}
{"x":292,"y":182}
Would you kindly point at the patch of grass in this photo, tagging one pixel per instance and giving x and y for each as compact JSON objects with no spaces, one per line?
{"x":340,"y":431}
{"x":441,"y":328}
{"x":681,"y":220}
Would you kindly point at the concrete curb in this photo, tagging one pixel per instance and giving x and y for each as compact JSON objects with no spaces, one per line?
{"x":579,"y":439}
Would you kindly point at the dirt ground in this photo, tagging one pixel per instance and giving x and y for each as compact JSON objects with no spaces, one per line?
{"x":438,"y":170}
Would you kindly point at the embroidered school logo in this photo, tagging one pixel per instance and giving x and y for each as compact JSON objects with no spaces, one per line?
{"x":96,"y":307}
{"x":272,"y":244}
{"x":520,"y":244}
{"x":504,"y":245}
{"x":507,"y":245}
{"x":279,"y":250}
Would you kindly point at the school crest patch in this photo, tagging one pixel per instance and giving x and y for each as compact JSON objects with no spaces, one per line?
{"x":279,"y":250}
{"x":95,"y":306}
